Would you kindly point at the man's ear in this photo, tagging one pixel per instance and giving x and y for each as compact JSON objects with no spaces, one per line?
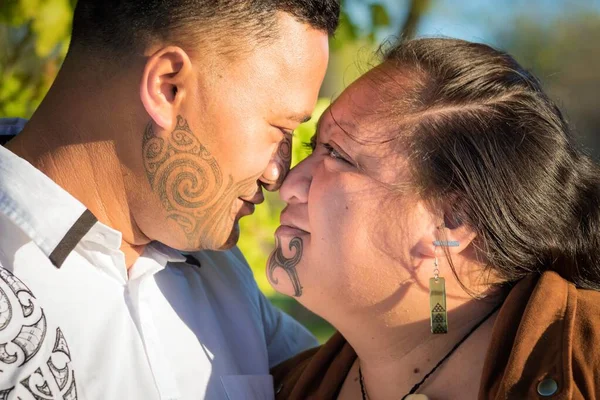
{"x":163,"y":85}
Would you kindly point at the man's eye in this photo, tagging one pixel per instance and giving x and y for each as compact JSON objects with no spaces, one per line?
{"x":309,"y":146}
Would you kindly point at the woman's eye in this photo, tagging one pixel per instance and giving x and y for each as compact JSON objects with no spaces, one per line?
{"x":333,"y":153}
{"x":336,"y":155}
{"x":329,"y":150}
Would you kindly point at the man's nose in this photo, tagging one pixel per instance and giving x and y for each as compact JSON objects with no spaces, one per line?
{"x":279,"y":166}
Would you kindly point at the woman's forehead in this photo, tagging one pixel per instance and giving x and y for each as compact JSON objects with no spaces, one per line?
{"x":357,"y":127}
{"x":372,"y":105}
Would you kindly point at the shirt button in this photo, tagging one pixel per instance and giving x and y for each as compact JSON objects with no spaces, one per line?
{"x":547,"y":387}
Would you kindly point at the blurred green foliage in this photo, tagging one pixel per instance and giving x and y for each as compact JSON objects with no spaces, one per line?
{"x":257,"y":238}
{"x":564,"y":54}
{"x":34,"y":35}
{"x":257,"y":234}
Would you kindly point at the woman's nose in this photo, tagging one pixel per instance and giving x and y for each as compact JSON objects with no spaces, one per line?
{"x":297,"y":184}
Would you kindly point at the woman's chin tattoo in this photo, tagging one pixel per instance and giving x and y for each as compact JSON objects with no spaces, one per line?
{"x":278,"y":260}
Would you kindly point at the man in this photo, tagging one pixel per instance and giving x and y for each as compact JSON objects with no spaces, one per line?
{"x":164,"y":122}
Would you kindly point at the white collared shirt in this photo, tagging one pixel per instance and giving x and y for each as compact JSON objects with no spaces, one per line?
{"x":84,"y":327}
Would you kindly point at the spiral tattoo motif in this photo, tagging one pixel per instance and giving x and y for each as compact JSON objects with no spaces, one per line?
{"x":190,"y":183}
{"x":283,"y":159}
{"x":285,"y":149}
{"x":184,"y":174}
{"x":284,"y":152}
{"x":278,"y":260}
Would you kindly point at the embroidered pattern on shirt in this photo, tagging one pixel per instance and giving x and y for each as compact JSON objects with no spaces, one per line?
{"x":23,"y":332}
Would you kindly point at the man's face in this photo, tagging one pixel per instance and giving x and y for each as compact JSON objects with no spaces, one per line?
{"x":209,"y":170}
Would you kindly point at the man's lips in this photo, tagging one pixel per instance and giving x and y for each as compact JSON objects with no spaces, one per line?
{"x":257,"y":198}
{"x":246,"y":209}
{"x":249,"y":203}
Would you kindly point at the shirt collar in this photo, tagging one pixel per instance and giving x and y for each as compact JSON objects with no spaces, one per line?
{"x":49,"y":215}
{"x":165,"y":254}
{"x":155,"y":257}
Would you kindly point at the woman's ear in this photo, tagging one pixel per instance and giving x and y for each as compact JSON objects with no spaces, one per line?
{"x":456,"y":237}
{"x":446,"y":230}
{"x":164,"y":85}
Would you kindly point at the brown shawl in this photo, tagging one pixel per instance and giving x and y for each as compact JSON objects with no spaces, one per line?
{"x":546,"y":329}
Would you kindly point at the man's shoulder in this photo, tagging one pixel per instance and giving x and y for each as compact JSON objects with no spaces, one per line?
{"x":9,"y":127}
{"x":231,"y":258}
{"x":228,"y":265}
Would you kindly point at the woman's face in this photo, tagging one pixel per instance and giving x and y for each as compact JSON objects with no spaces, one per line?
{"x":347,"y":241}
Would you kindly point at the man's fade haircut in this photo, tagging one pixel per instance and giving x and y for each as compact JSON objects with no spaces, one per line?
{"x":122,"y":27}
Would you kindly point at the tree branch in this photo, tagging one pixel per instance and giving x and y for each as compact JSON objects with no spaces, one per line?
{"x":415,"y":13}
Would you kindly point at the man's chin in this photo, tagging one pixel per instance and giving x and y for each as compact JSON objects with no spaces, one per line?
{"x":215,"y":244}
{"x":233,"y":238}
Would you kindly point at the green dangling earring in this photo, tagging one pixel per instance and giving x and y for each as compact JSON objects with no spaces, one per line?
{"x":437,"y":294}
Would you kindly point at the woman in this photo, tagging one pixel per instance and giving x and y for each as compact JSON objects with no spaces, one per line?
{"x":449,"y":228}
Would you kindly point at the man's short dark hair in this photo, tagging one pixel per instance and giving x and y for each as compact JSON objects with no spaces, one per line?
{"x":126,"y":26}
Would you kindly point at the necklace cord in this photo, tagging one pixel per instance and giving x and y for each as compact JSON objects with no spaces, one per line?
{"x":416,"y":387}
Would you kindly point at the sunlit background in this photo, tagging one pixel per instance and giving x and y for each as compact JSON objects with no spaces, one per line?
{"x":558,"y":40}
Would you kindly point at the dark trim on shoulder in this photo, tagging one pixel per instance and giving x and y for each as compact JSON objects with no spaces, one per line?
{"x":72,"y":238}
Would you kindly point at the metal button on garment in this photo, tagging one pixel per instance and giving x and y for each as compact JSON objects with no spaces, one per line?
{"x":547,"y":387}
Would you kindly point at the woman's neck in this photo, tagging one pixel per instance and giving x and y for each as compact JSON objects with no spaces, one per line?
{"x":393,"y":360}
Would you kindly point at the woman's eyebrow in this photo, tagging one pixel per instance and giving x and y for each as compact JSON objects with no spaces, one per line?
{"x":345,"y":126}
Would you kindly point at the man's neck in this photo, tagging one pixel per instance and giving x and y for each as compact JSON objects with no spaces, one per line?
{"x":89,"y":170}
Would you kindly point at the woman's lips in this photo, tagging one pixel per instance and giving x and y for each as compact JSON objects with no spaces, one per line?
{"x":287,"y":230}
{"x":288,"y":219}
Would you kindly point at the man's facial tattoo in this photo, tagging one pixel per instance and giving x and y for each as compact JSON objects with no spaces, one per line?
{"x":189,"y":182}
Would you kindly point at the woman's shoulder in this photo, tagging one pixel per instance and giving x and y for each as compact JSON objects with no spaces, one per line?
{"x":318,"y":372}
{"x":546,"y":339}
